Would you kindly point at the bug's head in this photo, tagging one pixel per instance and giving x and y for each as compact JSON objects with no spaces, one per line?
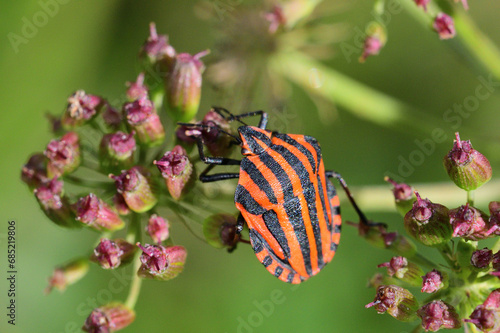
{"x":254,"y":140}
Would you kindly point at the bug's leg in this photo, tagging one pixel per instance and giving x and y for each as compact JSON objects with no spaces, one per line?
{"x":362,"y":217}
{"x":263,"y":116}
{"x":214,"y":160}
{"x":216,"y":177}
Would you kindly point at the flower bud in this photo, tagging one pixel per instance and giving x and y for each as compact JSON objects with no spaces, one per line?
{"x":63,"y":155}
{"x":137,"y":89}
{"x":157,"y":50}
{"x":438,"y":314}
{"x":396,"y":301}
{"x":481,"y":259}
{"x":434,"y":281}
{"x":116,"y":151}
{"x":467,"y":167}
{"x":109,"y":318}
{"x":404,"y":270}
{"x":486,"y":316}
{"x":220,"y":231}
{"x":34,"y":172}
{"x":495,"y":262}
{"x":142,"y":117}
{"x":276,"y":19}
{"x":186,"y":141}
{"x":428,"y":222}
{"x":112,"y":118}
{"x":177,"y":171}
{"x":158,"y":228}
{"x":67,"y":275}
{"x":120,"y":204}
{"x":184,"y":86}
{"x":110,"y":254}
{"x":403,"y":195}
{"x":494,"y":219}
{"x":161,"y":263}
{"x":54,"y":204}
{"x":374,"y":41}
{"x":422,"y":3}
{"x":81,"y":108}
{"x":217,"y":142}
{"x":97,"y":214}
{"x":469,"y":223}
{"x":444,"y":26}
{"x":137,"y":189}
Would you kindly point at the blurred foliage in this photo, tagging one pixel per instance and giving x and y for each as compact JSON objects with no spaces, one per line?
{"x":93,"y":45}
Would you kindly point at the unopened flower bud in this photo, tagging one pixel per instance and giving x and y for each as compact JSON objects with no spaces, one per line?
{"x":111,"y":116}
{"x":481,"y":259}
{"x":486,"y":316}
{"x":438,"y":314}
{"x":177,"y":171}
{"x":116,"y":151}
{"x":434,"y":281}
{"x":67,"y":275}
{"x":494,"y":219}
{"x":97,"y":214}
{"x":184,"y":86}
{"x":157,"y":50}
{"x":403,"y":195}
{"x":110,"y":254}
{"x":217,"y":142}
{"x":158,"y":228}
{"x":120,"y":204}
{"x":109,"y":318}
{"x":142,"y":117}
{"x":469,"y":223}
{"x":137,"y":89}
{"x":276,"y":19}
{"x":34,"y":172}
{"x":137,"y":189}
{"x":54,"y":204}
{"x":444,"y":26}
{"x":396,"y":301}
{"x":81,"y":108}
{"x":63,"y":155}
{"x":495,"y":262}
{"x":422,"y":3}
{"x":220,"y":231}
{"x":161,"y":263}
{"x":467,"y":167}
{"x":428,"y":222}
{"x":404,"y":270}
{"x":374,"y":41}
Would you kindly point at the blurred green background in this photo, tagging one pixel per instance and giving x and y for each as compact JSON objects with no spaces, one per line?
{"x":93,"y":45}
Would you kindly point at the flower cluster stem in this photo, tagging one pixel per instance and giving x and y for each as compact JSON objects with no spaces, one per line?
{"x":133,"y":236}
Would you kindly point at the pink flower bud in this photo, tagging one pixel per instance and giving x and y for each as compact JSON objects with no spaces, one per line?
{"x":481,"y":259}
{"x":110,"y":254}
{"x":54,"y":204}
{"x":63,"y":155}
{"x":67,"y":275}
{"x":438,"y":314}
{"x":136,"y":188}
{"x":434,"y":281}
{"x":112,"y":118}
{"x":404,"y":270}
{"x":81,"y":108}
{"x":137,"y":89}
{"x":444,"y":26}
{"x":486,"y":316}
{"x":469,"y":223}
{"x":116,"y":151}
{"x":177,"y":171}
{"x":161,"y":263}
{"x":157,"y":49}
{"x":34,"y":172}
{"x":97,"y":214}
{"x":142,"y":117}
{"x":396,"y":301}
{"x":403,"y":196}
{"x":109,"y":318}
{"x":158,"y":228}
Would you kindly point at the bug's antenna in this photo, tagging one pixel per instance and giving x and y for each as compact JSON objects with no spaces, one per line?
{"x":231,"y":117}
{"x":238,"y":140}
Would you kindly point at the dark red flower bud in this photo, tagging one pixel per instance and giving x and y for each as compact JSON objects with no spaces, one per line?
{"x":34,"y":172}
{"x":67,"y":275}
{"x":481,"y":259}
{"x":494,"y":220}
{"x":112,"y":118}
{"x":177,"y":171}
{"x":161,"y":263}
{"x":116,"y":151}
{"x":120,"y":204}
{"x":97,"y":214}
{"x":109,"y":318}
{"x":217,"y":142}
{"x":63,"y":155}
{"x":467,"y":167}
{"x":434,"y":281}
{"x":396,"y":301}
{"x":157,"y":49}
{"x":220,"y":231}
{"x":137,"y":89}
{"x":438,"y":314}
{"x":374,"y":41}
{"x":54,"y":204}
{"x":444,"y":26}
{"x":137,"y":189}
{"x":469,"y":223}
{"x":158,"y":228}
{"x":428,"y":222}
{"x":110,"y":254}
{"x":486,"y":316}
{"x":81,"y":108}
{"x":142,"y":117}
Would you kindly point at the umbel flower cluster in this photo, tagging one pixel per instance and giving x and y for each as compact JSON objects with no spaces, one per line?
{"x":134,"y":174}
{"x":466,"y":289}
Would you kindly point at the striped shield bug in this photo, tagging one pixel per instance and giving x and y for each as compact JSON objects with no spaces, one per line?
{"x":285,"y":197}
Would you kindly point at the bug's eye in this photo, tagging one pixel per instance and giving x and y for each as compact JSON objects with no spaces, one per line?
{"x":245,"y":151}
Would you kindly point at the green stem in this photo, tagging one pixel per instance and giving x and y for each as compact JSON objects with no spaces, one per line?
{"x":359,"y":99}
{"x":470,"y":198}
{"x":135,"y":286}
{"x":87,"y":183}
{"x":423,"y":261}
{"x":447,"y":253}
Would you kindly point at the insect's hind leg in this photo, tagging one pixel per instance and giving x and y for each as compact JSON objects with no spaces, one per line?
{"x":231,"y":117}
{"x":204,"y":178}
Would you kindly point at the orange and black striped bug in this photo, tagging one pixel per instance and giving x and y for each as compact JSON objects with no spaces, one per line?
{"x":285,"y":197}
